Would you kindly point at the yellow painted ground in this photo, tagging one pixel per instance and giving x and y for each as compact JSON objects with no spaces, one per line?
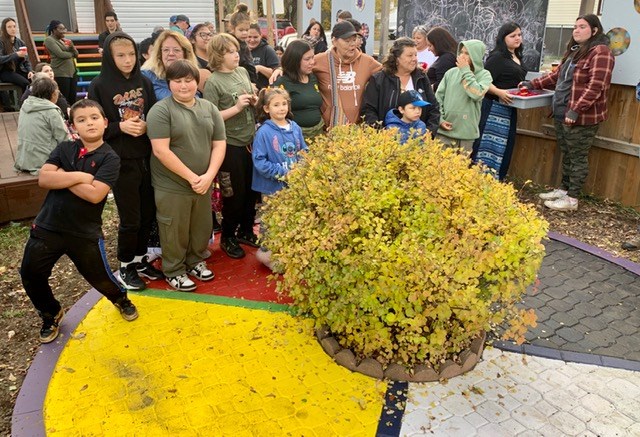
{"x":193,"y":368}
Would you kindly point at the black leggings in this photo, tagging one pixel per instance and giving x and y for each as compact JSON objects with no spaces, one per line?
{"x":68,"y":88}
{"x":17,"y":77}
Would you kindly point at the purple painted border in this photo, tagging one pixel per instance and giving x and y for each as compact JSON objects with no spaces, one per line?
{"x":27,"y":419}
{"x":596,"y":251}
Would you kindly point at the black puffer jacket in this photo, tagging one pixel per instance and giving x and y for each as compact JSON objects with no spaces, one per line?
{"x":381,"y":94}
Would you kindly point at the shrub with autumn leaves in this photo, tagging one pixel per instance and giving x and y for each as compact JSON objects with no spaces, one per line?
{"x":404,"y":251}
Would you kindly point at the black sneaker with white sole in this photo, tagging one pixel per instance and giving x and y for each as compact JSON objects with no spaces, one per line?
{"x":127,"y":309}
{"x":201,"y":271}
{"x":50,"y":326}
{"x":146,"y":269}
{"x":130,"y":279}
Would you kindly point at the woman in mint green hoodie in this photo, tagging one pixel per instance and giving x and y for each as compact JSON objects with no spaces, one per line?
{"x":460,"y":95}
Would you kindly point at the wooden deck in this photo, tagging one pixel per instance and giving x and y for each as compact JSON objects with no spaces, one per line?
{"x":20,"y":195}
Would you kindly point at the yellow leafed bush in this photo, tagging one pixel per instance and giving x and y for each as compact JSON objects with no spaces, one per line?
{"x":405,"y":252}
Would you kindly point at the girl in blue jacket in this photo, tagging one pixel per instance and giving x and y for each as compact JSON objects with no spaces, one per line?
{"x":276,"y":147}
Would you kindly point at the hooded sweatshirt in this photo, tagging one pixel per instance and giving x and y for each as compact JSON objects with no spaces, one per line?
{"x":123,"y":98}
{"x":460,"y":94}
{"x":266,"y":56}
{"x":275,"y":150}
{"x":351,"y":78}
{"x":393,"y":120}
{"x":40,"y":129}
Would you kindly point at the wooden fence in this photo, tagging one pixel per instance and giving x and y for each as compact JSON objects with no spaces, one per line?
{"x":614,"y":163}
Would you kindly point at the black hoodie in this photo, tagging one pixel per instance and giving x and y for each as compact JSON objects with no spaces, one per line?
{"x":265,"y":55}
{"x":123,"y":98}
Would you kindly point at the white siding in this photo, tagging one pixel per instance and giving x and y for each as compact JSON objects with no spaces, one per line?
{"x":86,"y":16}
{"x":139,"y":17}
{"x":7,"y":9}
{"x":565,"y":12}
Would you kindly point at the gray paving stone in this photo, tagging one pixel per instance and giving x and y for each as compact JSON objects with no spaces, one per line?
{"x":587,"y":309}
{"x":593,"y":323}
{"x":552,"y":287}
{"x":565,"y":319}
{"x":601,"y":338}
{"x":570,"y":334}
{"x":560,"y":305}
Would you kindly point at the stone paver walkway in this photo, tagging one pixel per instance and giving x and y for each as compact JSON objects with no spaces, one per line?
{"x":202,"y":364}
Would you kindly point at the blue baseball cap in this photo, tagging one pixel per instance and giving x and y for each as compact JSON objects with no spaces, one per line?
{"x":413,"y":97}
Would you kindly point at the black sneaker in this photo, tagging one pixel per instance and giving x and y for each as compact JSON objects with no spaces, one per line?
{"x":249,"y":239}
{"x":49,"y":330}
{"x":146,"y":269}
{"x":231,"y":247}
{"x":129,"y":278}
{"x":127,"y":308}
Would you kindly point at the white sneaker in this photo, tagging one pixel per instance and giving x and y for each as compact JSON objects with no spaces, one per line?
{"x":201,"y":271}
{"x":181,"y":283}
{"x":551,"y":195}
{"x":565,"y":203}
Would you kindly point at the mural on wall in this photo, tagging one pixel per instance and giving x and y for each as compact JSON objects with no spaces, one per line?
{"x":621,"y":22}
{"x":479,"y":19}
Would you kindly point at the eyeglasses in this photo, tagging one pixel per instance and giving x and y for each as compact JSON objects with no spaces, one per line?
{"x":167,"y":50}
{"x":204,"y":35}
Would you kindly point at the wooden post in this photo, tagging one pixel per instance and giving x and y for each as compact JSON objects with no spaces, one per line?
{"x":270,"y":23}
{"x":384,"y":28}
{"x":25,"y":31}
{"x":587,"y":6}
{"x":100,"y":8}
{"x":221,"y":27}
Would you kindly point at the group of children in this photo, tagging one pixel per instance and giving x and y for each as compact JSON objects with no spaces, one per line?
{"x":159,"y":159}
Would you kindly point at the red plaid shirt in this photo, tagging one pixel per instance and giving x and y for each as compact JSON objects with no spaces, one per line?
{"x":591,"y":81}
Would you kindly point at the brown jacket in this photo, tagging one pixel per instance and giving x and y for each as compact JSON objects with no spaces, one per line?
{"x":351,"y":78}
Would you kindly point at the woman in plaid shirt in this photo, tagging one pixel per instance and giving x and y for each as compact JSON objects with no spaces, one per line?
{"x":581,"y":84}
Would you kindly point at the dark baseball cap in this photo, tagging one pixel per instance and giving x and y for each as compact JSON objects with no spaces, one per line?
{"x":343,"y":30}
{"x":413,"y":97}
{"x":182,"y":17}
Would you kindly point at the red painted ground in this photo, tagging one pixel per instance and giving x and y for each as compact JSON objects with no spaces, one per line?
{"x":244,"y":278}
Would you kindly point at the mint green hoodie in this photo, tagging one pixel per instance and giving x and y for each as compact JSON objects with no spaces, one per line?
{"x":460,"y":94}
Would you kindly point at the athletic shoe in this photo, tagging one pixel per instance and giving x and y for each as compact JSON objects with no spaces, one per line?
{"x":129,"y":278}
{"x":552,"y":195}
{"x":127,"y":309}
{"x":250,"y":239}
{"x":565,"y":203}
{"x":201,"y":271}
{"x":231,"y":247}
{"x":49,"y":330}
{"x":181,"y":283}
{"x":147,"y":270}
{"x":632,"y":244}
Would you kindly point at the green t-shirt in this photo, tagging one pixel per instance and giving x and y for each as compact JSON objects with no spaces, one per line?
{"x":191,"y":131}
{"x":305,"y":100}
{"x":223,"y":89}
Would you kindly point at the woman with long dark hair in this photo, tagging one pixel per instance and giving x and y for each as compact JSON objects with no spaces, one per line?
{"x":399,"y":73}
{"x":581,"y":85}
{"x":498,"y":121}
{"x":298,"y":79}
{"x":445,"y":47}
{"x":14,"y":60}
{"x":316,"y":37}
{"x":63,"y":54}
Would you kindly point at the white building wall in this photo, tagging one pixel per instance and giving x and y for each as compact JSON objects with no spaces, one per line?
{"x":86,"y":16}
{"x":139,"y":17}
